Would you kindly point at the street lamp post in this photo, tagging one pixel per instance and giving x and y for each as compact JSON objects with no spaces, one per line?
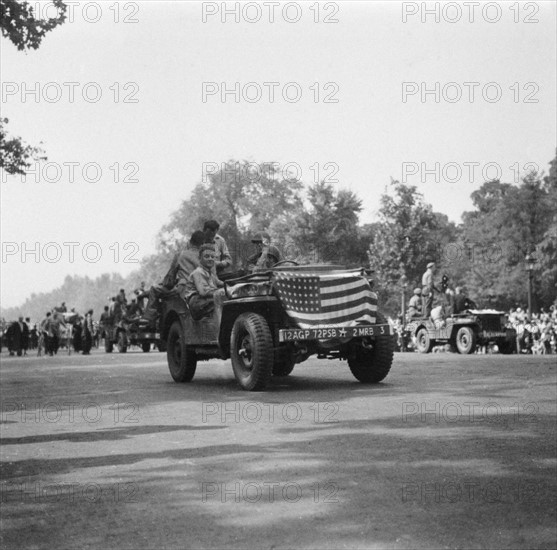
{"x":404,"y":282}
{"x":530,"y":263}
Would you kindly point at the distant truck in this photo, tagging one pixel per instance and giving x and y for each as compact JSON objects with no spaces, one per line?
{"x":464,"y":332}
{"x":127,"y":333}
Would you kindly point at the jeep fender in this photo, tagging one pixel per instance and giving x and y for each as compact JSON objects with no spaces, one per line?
{"x":267,"y":306}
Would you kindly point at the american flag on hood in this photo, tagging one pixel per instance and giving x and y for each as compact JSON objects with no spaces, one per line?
{"x":326,"y":299}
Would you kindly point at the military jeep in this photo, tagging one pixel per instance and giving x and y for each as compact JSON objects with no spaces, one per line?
{"x":464,"y":332}
{"x":274,"y":320}
{"x":127,"y":333}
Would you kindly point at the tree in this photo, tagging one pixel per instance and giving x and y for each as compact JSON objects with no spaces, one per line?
{"x":509,"y":222}
{"x":20,"y":25}
{"x":243,"y":197}
{"x":25,"y":31}
{"x":326,"y":230}
{"x":16,"y":155}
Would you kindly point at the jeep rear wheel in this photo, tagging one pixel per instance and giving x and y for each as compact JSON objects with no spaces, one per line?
{"x":370,"y":366}
{"x":146,"y":347}
{"x":182,"y":361}
{"x":424,"y":343}
{"x":466,"y":340}
{"x":251,"y":351}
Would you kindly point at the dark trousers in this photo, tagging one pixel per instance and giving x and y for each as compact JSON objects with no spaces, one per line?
{"x":427,"y":301}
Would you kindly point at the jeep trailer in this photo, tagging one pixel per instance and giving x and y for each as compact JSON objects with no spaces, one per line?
{"x":276,"y":319}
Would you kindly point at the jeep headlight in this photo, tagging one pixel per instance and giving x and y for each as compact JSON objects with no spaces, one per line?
{"x":247,"y":290}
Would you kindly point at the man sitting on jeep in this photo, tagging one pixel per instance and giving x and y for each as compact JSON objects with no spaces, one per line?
{"x":183,"y":264}
{"x":204,"y":290}
{"x":266,"y":256}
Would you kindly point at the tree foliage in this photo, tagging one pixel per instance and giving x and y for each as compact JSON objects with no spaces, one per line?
{"x":242,"y":196}
{"x":20,"y":25}
{"x":16,"y":156}
{"x":509,"y":222}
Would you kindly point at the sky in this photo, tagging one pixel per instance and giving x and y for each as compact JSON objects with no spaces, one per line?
{"x":132,"y":100}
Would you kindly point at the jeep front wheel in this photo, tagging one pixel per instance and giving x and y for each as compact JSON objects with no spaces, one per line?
{"x":424,"y":343}
{"x":370,"y":366}
{"x":466,"y":340}
{"x":182,"y":361}
{"x":251,"y":351}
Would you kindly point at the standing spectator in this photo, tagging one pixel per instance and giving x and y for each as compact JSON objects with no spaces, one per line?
{"x":34,"y":337}
{"x":47,"y":330}
{"x":428,"y":289}
{"x":26,"y":335}
{"x":88,"y":332}
{"x":104,"y":322}
{"x":20,"y":339}
{"x":77,"y":333}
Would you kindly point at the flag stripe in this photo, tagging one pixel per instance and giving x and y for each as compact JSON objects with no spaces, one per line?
{"x":340,"y":304}
{"x":341,"y":292}
{"x":335,"y":321}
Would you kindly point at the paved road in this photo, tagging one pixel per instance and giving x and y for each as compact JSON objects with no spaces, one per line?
{"x":106,"y":451}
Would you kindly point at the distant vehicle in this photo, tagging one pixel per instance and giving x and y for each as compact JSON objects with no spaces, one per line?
{"x":264,"y":333}
{"x":464,"y":332}
{"x":127,"y":333}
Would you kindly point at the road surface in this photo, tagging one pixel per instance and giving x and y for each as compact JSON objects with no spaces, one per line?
{"x":106,"y":451}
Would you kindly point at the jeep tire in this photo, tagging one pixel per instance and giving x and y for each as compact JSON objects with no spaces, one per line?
{"x":251,"y":351}
{"x":182,"y":361}
{"x":466,"y":340}
{"x":370,"y":366}
{"x":146,"y":347}
{"x":424,"y":344}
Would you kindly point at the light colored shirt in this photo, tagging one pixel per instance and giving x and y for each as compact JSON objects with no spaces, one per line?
{"x":188,"y":261}
{"x":202,"y":282}
{"x":427,"y":279}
